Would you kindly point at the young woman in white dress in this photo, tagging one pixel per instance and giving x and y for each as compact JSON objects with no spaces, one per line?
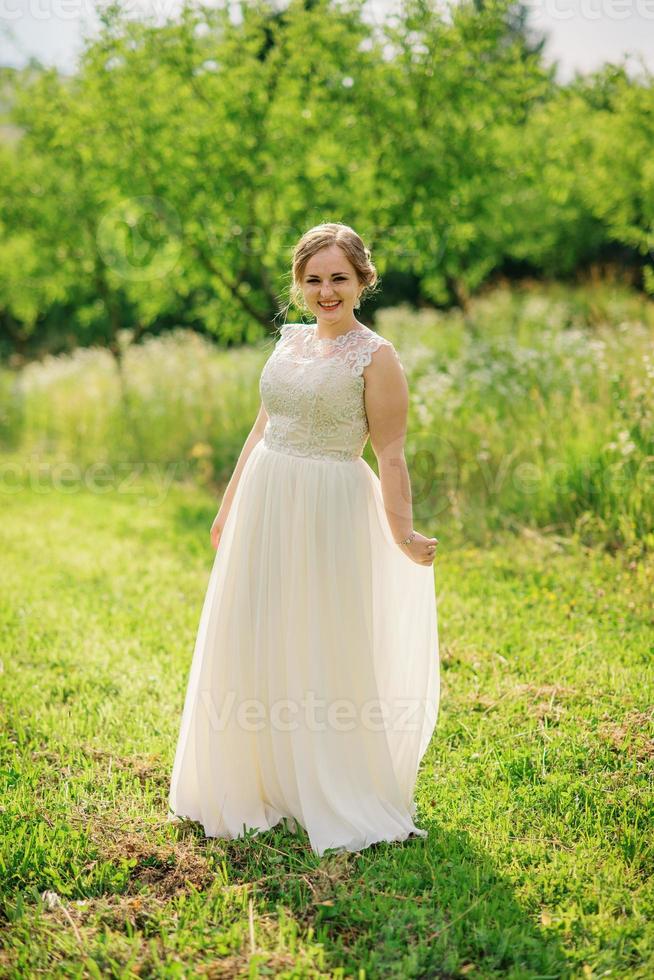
{"x":314,"y":685}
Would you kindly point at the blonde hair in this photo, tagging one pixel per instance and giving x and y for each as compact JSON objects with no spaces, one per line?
{"x":322,"y":236}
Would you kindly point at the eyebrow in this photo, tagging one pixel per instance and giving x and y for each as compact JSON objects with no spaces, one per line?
{"x":309,"y":274}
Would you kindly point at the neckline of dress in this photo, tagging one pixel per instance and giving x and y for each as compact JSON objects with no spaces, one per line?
{"x":333,"y":340}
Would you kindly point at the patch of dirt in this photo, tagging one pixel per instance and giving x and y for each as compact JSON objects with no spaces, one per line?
{"x":234,"y":967}
{"x":633,"y":735}
{"x":144,"y":767}
{"x":166,"y":868}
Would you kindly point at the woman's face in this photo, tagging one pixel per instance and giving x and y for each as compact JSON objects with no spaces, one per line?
{"x":331,"y":287}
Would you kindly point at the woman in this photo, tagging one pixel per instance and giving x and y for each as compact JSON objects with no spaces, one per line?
{"x":314,"y":685}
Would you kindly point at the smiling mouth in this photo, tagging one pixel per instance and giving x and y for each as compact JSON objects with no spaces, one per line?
{"x":329,"y":306}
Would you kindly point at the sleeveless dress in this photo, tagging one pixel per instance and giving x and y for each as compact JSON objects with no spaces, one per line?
{"x":314,"y":685}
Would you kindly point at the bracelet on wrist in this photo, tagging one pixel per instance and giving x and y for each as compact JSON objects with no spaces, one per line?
{"x":407,"y":540}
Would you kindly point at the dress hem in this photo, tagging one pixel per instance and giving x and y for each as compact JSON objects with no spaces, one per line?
{"x":292,"y":823}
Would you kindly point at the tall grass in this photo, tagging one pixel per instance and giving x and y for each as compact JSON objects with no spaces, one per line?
{"x":535,"y":408}
{"x":538,"y":409}
{"x":176,"y":399}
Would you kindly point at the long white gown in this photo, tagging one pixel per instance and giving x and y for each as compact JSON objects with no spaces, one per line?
{"x":314,"y":686}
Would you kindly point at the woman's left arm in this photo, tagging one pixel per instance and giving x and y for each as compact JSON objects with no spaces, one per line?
{"x":386,"y":398}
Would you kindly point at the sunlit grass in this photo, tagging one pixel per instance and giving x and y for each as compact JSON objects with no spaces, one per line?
{"x":536,"y":790}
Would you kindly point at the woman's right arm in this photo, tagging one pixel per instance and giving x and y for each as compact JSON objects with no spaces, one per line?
{"x":256,"y":433}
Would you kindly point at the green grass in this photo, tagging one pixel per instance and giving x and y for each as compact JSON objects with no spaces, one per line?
{"x":536,"y":790}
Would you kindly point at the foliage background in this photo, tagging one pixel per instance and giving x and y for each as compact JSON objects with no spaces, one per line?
{"x":166,"y":183}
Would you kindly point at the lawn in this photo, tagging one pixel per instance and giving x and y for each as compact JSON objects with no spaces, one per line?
{"x":536,"y":789}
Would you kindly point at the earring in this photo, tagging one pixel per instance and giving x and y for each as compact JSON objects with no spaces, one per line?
{"x":357,"y":304}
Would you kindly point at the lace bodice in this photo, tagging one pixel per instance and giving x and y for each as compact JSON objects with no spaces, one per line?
{"x":312,"y":390}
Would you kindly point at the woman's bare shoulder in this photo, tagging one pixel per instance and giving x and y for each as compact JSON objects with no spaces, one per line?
{"x":383,"y":358}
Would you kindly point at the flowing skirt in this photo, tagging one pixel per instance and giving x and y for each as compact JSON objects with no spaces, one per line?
{"x":314,"y":685}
